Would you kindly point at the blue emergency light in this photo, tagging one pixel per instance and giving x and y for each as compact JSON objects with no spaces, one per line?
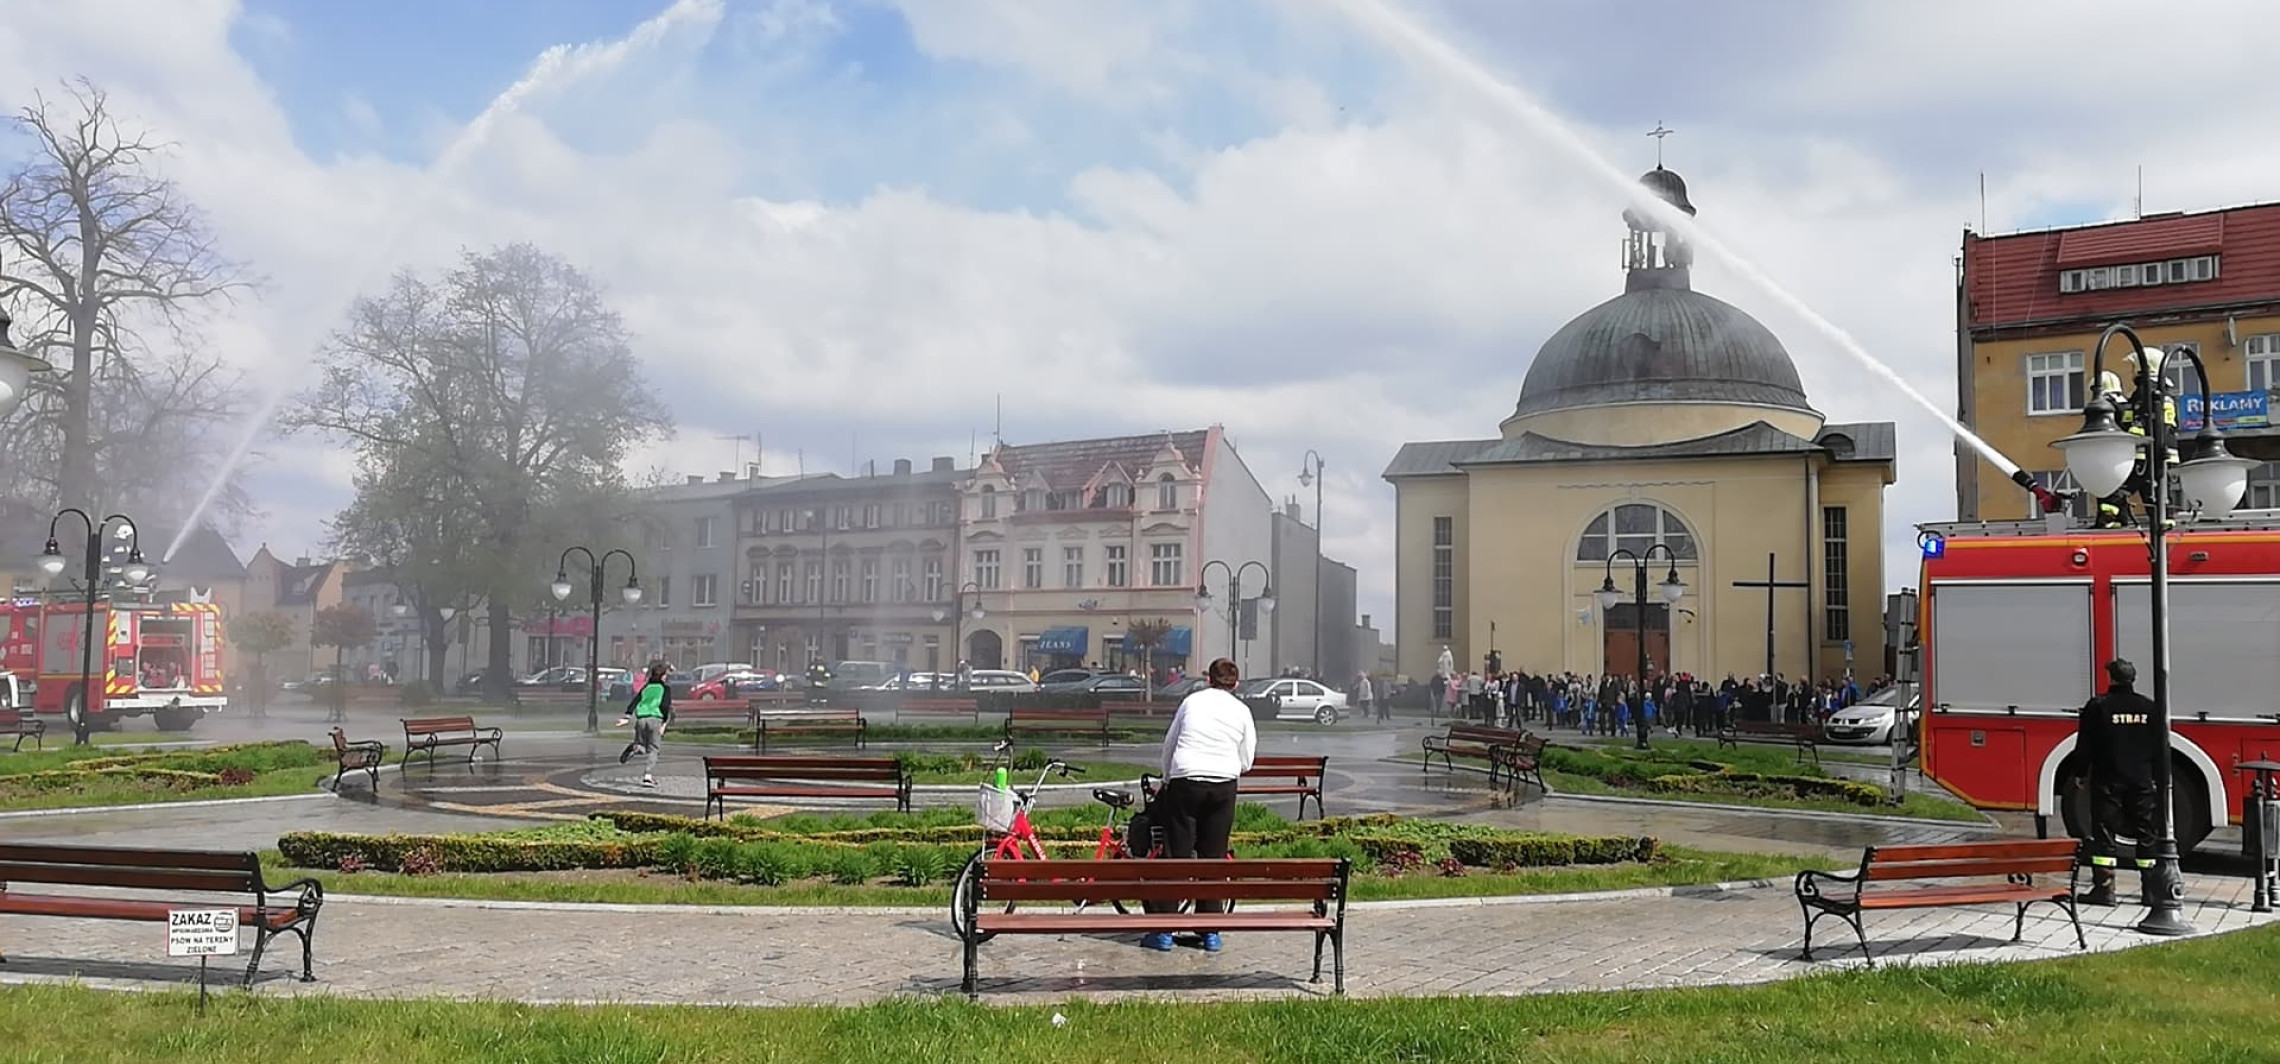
{"x":1934,"y":545}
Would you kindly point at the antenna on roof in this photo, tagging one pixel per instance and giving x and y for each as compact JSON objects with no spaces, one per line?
{"x":1983,"y":203}
{"x":1000,"y":432}
{"x":2141,"y":191}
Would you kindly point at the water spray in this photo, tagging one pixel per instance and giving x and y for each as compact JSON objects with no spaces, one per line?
{"x":556,"y":65}
{"x":1400,"y":30}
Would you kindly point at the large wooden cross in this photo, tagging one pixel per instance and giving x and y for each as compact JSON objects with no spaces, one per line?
{"x":1770,"y":585}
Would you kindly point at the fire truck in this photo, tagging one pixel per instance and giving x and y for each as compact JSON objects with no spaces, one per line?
{"x":2016,"y":620}
{"x":163,"y":660}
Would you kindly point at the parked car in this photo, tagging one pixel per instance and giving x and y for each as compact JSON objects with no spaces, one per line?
{"x":730,"y":685}
{"x":999,"y":680}
{"x":1173,"y":692}
{"x":1871,"y":720}
{"x":1296,"y":699}
{"x":860,"y":675}
{"x":707,"y":672}
{"x":1066,"y":679}
{"x":1109,"y":686}
{"x":676,"y":681}
{"x":564,"y":677}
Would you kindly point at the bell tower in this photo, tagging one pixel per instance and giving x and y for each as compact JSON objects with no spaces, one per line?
{"x":1654,"y":257}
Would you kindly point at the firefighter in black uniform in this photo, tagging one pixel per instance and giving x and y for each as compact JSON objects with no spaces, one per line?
{"x":818,"y":678}
{"x":2119,"y":742}
{"x":2114,"y":511}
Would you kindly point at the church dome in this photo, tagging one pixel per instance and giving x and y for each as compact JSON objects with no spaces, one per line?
{"x":1661,"y":344}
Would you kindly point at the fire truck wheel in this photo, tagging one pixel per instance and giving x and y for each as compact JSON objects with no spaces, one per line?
{"x":175,"y":720}
{"x":2189,"y":807}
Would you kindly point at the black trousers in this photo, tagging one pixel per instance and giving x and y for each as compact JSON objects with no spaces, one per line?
{"x":1197,"y":818}
{"x":2122,"y":825}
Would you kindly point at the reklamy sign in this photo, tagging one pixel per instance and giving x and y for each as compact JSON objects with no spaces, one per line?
{"x":2233,"y":410}
{"x":201,"y":933}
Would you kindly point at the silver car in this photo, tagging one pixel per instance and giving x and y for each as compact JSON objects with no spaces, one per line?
{"x":1871,"y":720}
{"x":1296,"y":699}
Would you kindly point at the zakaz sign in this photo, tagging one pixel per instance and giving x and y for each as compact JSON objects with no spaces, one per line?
{"x":2233,"y":410}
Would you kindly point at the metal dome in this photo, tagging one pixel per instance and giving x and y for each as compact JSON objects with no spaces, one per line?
{"x":1661,"y":344}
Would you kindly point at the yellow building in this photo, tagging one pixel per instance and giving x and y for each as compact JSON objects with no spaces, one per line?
{"x":1660,"y":418}
{"x":2029,"y":307}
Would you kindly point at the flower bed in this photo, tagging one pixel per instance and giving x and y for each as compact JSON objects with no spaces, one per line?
{"x":113,"y":778}
{"x":1674,"y":773}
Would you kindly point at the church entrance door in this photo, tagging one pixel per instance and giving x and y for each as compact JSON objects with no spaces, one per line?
{"x":1622,"y":640}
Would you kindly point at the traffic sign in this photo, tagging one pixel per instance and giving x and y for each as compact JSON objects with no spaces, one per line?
{"x":201,"y":933}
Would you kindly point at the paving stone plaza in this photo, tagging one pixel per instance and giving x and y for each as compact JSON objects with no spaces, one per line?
{"x":387,"y":947}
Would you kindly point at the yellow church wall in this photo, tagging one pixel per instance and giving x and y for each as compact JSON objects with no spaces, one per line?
{"x":1860,"y":490}
{"x":1524,"y":577}
{"x":1417,"y":502}
{"x":1648,"y":423}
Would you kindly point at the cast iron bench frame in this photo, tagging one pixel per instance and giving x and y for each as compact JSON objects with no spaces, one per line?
{"x":132,"y":868}
{"x":930,"y":705}
{"x":733,"y":712}
{"x":440,"y":732}
{"x":2018,"y":861}
{"x":780,"y":776}
{"x":23,"y":724}
{"x":1304,"y":771}
{"x":1474,"y":740}
{"x":1020,"y":720}
{"x":1322,"y":882}
{"x":357,"y":755}
{"x":1806,"y":737}
{"x":828,"y":722}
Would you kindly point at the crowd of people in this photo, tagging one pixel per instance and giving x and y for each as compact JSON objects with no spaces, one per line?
{"x":1610,"y":705}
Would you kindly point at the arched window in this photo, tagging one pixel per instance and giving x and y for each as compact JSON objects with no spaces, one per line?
{"x":1635,"y":527}
{"x":1167,"y":493}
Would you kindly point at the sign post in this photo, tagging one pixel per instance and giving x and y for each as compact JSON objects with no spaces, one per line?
{"x":201,"y":933}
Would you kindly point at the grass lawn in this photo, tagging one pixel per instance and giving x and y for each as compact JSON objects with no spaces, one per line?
{"x":1768,"y":760}
{"x":1680,"y":867}
{"x":57,"y":778}
{"x":1766,"y":754}
{"x":2203,"y":1002}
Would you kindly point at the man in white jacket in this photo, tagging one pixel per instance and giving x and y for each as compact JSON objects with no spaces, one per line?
{"x":1210,"y":745}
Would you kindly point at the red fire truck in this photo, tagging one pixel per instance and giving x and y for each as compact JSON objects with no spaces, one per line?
{"x":163,"y":660}
{"x":2017,"y":618}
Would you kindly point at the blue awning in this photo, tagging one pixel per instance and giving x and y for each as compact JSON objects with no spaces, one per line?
{"x":1177,"y":643}
{"x":1065,"y":641}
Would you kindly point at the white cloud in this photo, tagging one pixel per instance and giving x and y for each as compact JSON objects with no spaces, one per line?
{"x":1366,"y":258}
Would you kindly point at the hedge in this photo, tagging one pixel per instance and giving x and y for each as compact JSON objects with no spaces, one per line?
{"x":68,"y":778}
{"x":970,"y":834}
{"x":466,"y":853}
{"x":1760,"y":785}
{"x":1533,"y":851}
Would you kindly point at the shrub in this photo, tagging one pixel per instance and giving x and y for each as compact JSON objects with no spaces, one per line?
{"x":420,"y":861}
{"x":236,"y":777}
{"x":1760,"y":785}
{"x":847,"y":867}
{"x":1521,"y":850}
{"x":916,"y":866}
{"x":415,"y":694}
{"x":501,"y":852}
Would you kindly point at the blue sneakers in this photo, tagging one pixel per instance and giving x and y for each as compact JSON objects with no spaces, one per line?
{"x":1159,"y":941}
{"x":1211,"y":942}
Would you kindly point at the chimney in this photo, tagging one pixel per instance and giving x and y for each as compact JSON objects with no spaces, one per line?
{"x":902,"y":467}
{"x":1366,"y":621}
{"x":695,"y":479}
{"x":751,"y":470}
{"x":301,"y":562}
{"x":1290,"y":509}
{"x":728,"y":477}
{"x":944,"y":465}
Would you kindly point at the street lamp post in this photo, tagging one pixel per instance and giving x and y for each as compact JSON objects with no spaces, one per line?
{"x":561,"y":589}
{"x":1310,"y":472}
{"x":2211,"y":481}
{"x":1235,"y":595}
{"x":957,"y":616}
{"x":76,"y":705}
{"x":1673,"y":589}
{"x":16,"y":370}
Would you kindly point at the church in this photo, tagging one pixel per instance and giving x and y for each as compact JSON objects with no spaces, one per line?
{"x":1662,"y":430}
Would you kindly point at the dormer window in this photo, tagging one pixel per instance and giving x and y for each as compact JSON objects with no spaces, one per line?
{"x":1167,"y":492}
{"x":1033,"y":499}
{"x":1117,"y":496}
{"x":989,"y":502}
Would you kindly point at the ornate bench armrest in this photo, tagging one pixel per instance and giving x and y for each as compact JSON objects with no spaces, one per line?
{"x":1811,"y":880}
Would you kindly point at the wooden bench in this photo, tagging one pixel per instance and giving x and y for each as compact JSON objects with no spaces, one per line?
{"x":712,"y":712}
{"x":1474,"y":740}
{"x":366,"y":755}
{"x":768,"y":701}
{"x":803,"y":777}
{"x":829,"y":723}
{"x":1299,"y":774}
{"x":1147,"y":711}
{"x":23,"y":725}
{"x":1523,"y":761}
{"x":1806,"y":737}
{"x":989,"y":907}
{"x":430,"y":734}
{"x":1021,"y":721}
{"x":273,"y":911}
{"x":2013,"y":864}
{"x":920,"y":706}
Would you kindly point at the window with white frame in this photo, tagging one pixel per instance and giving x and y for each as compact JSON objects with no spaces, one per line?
{"x":704,"y":531}
{"x":2263,"y":354}
{"x":783,"y":583}
{"x":1444,"y":577}
{"x":901,"y":580}
{"x":2263,"y":487}
{"x":1033,"y":567}
{"x":839,"y":577}
{"x":1072,"y":567}
{"x":986,"y":569}
{"x":1118,"y":573}
{"x":1635,"y":527}
{"x":989,"y":502}
{"x":1167,"y":566}
{"x":2177,"y":365}
{"x":702,"y":589}
{"x":2188,"y":270}
{"x":870,"y":580}
{"x":2054,"y":383}
{"x":1118,"y":496}
{"x":933,"y":571}
{"x":1167,"y":492}
{"x":2078,"y":504}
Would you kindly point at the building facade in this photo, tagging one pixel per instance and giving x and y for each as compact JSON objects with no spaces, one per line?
{"x":2029,"y":306}
{"x":1066,"y":546}
{"x":1662,"y":422}
{"x":1296,"y":617}
{"x":298,"y":590}
{"x":1335,"y":617}
{"x":850,"y":568}
{"x":690,"y":568}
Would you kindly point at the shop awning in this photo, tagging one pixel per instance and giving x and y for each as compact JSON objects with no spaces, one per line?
{"x":1070,"y":642}
{"x":1177,"y":643}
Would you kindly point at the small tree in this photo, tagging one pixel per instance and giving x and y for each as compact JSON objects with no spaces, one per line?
{"x":260,"y":634}
{"x":341,"y":627}
{"x":1148,"y":635}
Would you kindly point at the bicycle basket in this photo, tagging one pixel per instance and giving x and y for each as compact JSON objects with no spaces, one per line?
{"x":994,"y":808}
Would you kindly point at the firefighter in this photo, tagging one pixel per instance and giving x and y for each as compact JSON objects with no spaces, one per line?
{"x":2119,"y":742}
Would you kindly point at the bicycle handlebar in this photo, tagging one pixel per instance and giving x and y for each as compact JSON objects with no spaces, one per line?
{"x":1068,"y":770}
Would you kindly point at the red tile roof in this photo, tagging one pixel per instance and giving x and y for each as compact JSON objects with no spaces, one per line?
{"x":2013,"y":280}
{"x":1070,"y":464}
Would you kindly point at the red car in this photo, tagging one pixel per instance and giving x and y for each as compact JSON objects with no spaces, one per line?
{"x":733,"y":685}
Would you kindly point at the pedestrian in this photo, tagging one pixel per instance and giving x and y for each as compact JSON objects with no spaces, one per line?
{"x":651,"y":708}
{"x":1365,"y":698}
{"x":2119,"y":742}
{"x":1209,"y":746}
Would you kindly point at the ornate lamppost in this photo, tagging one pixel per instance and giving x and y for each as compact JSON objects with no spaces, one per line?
{"x":1673,"y":589}
{"x":561,"y":589}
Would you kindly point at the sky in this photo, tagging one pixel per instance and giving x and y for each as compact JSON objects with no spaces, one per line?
{"x":858,"y":228}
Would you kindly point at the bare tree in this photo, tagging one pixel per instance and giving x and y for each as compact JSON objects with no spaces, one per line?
{"x":105,"y":249}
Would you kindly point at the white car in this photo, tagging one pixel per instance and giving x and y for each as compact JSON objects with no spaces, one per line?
{"x":1870,"y":721}
{"x":1000,"y":680}
{"x":1296,"y":699}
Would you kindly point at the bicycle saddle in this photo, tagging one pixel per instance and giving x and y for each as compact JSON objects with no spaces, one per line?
{"x":1117,"y":799}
